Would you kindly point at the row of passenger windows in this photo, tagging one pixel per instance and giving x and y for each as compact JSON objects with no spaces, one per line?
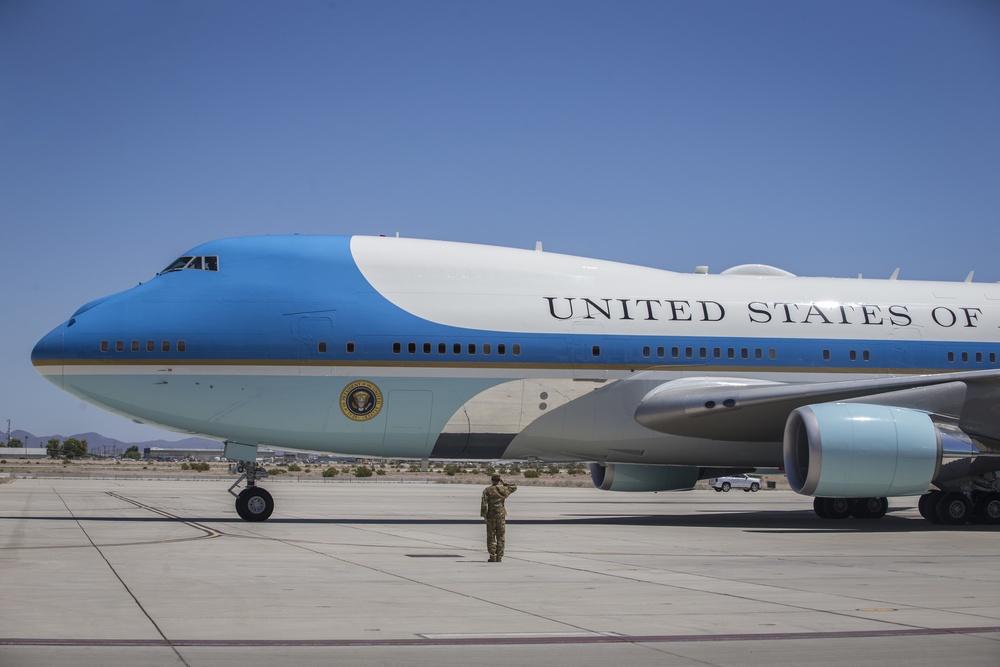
{"x":456,"y":348}
{"x":137,"y":346}
{"x":716,"y":352}
{"x":967,"y":357}
{"x":501,"y":349}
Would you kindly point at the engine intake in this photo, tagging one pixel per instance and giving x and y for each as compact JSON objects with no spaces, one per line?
{"x":857,"y":450}
{"x":638,"y":477}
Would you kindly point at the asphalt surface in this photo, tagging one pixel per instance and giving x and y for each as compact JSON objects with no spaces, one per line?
{"x":151,"y":573}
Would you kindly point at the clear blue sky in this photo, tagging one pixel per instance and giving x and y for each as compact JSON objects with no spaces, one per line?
{"x":827,"y":138}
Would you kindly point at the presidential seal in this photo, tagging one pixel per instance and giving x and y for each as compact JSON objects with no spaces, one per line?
{"x":360,"y":401}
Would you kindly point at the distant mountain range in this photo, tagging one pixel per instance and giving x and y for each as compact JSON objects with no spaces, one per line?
{"x":98,"y":444}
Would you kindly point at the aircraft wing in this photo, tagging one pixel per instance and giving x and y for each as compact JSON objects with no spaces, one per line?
{"x":739,"y":409}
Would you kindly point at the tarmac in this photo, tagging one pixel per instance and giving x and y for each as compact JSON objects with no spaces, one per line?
{"x":155,"y":573}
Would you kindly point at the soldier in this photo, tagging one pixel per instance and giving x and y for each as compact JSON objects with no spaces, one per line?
{"x":495,"y":515}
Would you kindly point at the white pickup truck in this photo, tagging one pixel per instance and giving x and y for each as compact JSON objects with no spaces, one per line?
{"x":745,"y":482}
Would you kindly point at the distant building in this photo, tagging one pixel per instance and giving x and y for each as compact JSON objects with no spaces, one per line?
{"x":161,"y":453}
{"x":23,"y":453}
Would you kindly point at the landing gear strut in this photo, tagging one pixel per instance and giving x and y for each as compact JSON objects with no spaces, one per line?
{"x":253,"y":503}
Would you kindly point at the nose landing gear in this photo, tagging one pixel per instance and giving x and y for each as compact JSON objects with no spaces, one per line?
{"x":253,"y":503}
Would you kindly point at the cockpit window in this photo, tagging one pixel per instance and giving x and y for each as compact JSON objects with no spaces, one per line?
{"x":201,"y":263}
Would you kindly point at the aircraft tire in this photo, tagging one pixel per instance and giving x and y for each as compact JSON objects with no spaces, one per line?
{"x":838,"y":508}
{"x":954,"y":509}
{"x":870,"y":508}
{"x":988,"y":509}
{"x":928,"y":506}
{"x":254,"y":504}
{"x":820,"y":508}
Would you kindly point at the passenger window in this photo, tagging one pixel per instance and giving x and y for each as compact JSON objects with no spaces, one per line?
{"x":472,"y":348}
{"x":646,"y":351}
{"x":486,"y":348}
{"x":165,"y":346}
{"x":456,"y":348}
{"x":150,"y":346}
{"x":119,"y":346}
{"x":427,"y":348}
{"x":826,"y":355}
{"x":397,"y":348}
{"x":181,"y":346}
{"x":442,"y":348}
{"x":135,"y":346}
{"x":104,"y":346}
{"x":411,"y":348}
{"x":595,"y":351}
{"x":517,"y":350}
{"x":661,"y":352}
{"x":501,"y":349}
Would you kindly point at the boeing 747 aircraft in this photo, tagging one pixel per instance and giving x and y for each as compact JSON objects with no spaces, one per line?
{"x":403,"y":348}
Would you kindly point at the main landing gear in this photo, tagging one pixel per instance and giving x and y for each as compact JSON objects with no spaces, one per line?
{"x":859,"y":508}
{"x":253,"y":503}
{"x":953,"y":508}
{"x":949,"y":508}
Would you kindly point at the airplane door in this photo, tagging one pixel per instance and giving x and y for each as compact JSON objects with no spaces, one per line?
{"x":408,"y":422}
{"x":904,"y":348}
{"x":314,"y":341}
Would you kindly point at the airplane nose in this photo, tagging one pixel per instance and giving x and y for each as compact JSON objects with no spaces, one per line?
{"x":47,"y":356}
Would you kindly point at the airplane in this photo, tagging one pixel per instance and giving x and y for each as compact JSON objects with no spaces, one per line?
{"x":378,"y":346}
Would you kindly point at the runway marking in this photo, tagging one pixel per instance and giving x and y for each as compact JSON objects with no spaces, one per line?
{"x":209,"y":532}
{"x":507,"y":639}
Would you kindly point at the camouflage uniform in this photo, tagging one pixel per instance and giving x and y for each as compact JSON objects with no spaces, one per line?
{"x":496,"y":517}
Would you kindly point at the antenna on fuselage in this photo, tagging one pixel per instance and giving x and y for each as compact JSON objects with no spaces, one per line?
{"x":538,"y":246}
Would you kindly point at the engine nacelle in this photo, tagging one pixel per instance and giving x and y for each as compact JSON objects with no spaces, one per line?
{"x":856,"y":450}
{"x":638,"y":477}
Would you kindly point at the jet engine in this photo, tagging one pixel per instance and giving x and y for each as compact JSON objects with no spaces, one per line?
{"x":857,"y":450}
{"x":638,"y":477}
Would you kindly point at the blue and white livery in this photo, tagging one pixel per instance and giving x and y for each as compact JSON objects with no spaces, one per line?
{"x":374,"y":346}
